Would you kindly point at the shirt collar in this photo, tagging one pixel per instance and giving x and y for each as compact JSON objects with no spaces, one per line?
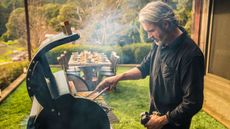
{"x":174,"y":44}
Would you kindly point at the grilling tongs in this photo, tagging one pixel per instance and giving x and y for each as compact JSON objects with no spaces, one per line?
{"x":95,"y":91}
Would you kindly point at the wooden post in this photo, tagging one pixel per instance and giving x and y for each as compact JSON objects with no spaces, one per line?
{"x":196,"y":21}
{"x":28,"y":29}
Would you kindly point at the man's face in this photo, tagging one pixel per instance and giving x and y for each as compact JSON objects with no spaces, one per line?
{"x":154,"y":31}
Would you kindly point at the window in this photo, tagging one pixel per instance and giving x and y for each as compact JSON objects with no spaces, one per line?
{"x":219,"y":63}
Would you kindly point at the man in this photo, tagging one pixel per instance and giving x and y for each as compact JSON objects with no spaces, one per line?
{"x":175,"y":65}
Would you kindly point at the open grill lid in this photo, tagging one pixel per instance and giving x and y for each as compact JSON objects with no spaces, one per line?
{"x":60,"y":109}
{"x":40,"y":80}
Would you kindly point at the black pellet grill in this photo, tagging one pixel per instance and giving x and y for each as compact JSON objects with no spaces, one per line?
{"x":53,"y":106}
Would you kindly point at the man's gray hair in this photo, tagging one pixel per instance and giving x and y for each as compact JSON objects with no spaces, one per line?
{"x":157,"y":12}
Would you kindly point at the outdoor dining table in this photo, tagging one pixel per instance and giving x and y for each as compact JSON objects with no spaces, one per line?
{"x":89,"y":65}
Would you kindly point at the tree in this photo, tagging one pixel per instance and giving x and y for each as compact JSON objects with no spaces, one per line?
{"x":12,"y":4}
{"x":15,"y":25}
{"x":73,"y":13}
{"x":4,"y":16}
{"x":51,"y":12}
{"x":184,"y":13}
{"x":131,"y":10}
{"x":38,"y":25}
{"x":6,"y":7}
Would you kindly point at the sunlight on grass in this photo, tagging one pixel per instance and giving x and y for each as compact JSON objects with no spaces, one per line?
{"x":55,"y":69}
{"x":128,"y":101}
{"x":15,"y":109}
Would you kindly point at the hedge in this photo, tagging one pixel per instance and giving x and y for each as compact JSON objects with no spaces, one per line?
{"x":129,"y":54}
{"x":134,"y":53}
{"x":10,"y":71}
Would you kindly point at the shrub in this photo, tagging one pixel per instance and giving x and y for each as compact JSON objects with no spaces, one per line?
{"x":134,"y":53}
{"x":5,"y":37}
{"x":9,"y":72}
{"x":11,"y":42}
{"x":141,"y":51}
{"x":127,"y":56}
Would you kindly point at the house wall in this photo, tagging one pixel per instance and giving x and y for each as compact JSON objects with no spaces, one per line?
{"x":216,"y":88}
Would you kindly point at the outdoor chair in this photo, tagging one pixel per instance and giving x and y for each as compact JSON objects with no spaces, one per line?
{"x":112,"y":59}
{"x":63,"y":61}
{"x":109,"y":71}
{"x":60,"y":62}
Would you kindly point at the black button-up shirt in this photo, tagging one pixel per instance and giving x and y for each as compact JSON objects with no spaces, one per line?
{"x":176,"y":79}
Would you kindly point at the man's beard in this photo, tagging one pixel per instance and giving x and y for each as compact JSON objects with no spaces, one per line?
{"x":154,"y":40}
{"x":159,"y":41}
{"x":163,"y":38}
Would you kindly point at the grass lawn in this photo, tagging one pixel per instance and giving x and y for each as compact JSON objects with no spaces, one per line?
{"x":15,"y":109}
{"x":130,"y":99}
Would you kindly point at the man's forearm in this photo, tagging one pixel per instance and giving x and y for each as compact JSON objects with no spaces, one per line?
{"x":132,"y":74}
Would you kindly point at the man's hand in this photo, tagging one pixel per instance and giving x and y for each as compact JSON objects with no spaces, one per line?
{"x":156,"y":122}
{"x":111,"y":82}
{"x":108,"y":82}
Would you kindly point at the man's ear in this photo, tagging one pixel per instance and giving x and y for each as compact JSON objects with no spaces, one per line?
{"x":165,"y":25}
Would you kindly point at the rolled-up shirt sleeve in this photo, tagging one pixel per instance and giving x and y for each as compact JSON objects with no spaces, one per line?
{"x":145,"y":65}
{"x":192,"y":81}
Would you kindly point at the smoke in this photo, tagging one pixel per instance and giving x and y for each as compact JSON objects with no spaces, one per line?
{"x":111,"y":22}
{"x":106,"y":27}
